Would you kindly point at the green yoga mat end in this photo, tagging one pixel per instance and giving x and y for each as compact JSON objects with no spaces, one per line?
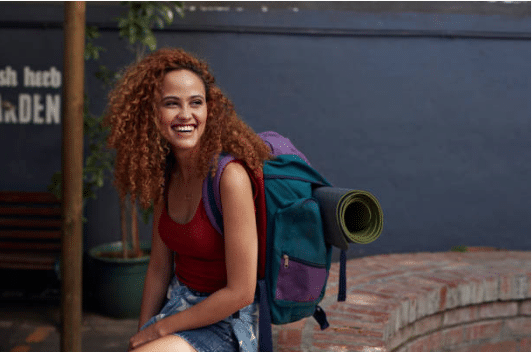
{"x":349,"y":216}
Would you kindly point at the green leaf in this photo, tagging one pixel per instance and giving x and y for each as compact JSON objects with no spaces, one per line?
{"x":150,"y":41}
{"x":460,"y":248}
{"x":122,"y":22}
{"x":147,"y":213}
{"x":178,"y":7}
{"x":159,"y":22}
{"x":132,"y":34}
{"x":56,"y":184}
{"x":92,"y":32}
{"x":167,"y":13}
{"x":147,"y":10}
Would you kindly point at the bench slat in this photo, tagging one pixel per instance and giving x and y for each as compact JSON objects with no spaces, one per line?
{"x":29,"y":234}
{"x":30,"y":211}
{"x":28,"y":197}
{"x":32,"y":261}
{"x":26,"y":266}
{"x":31,"y":223}
{"x":32,"y":246}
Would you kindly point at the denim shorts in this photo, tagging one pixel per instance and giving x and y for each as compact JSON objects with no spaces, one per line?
{"x":238,"y":332}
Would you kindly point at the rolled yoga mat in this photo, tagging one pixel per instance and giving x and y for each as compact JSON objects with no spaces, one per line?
{"x":349,"y":216}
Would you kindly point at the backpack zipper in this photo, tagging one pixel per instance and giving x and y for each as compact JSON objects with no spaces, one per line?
{"x":287,"y":259}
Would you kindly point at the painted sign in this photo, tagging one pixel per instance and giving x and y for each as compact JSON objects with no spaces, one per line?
{"x":30,"y":106}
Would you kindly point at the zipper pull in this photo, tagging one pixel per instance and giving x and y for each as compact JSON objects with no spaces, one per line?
{"x":285,"y":257}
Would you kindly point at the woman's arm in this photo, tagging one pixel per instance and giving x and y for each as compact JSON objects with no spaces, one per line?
{"x":241,"y":255}
{"x":159,"y":274}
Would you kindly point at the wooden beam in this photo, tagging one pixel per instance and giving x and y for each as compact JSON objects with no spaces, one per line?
{"x":72,"y":170}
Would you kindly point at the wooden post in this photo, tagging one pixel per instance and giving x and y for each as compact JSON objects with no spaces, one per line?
{"x":135,"y":230}
{"x":123,"y":223}
{"x":72,"y":169}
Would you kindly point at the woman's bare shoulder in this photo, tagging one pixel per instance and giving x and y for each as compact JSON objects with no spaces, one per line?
{"x":235,"y":177}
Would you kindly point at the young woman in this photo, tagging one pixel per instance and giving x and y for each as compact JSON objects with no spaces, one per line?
{"x":169,"y":123}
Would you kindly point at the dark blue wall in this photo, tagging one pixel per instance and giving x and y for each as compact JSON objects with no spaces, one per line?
{"x":429,"y":112}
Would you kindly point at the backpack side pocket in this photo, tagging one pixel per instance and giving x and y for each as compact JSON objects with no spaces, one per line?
{"x":299,"y":280}
{"x":300,"y":262}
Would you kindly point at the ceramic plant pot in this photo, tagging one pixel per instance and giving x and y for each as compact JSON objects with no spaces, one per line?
{"x":118,"y":282}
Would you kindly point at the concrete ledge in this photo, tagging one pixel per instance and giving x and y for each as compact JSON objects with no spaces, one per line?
{"x":449,"y":301}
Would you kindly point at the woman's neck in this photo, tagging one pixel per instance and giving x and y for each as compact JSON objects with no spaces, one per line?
{"x":186,"y":165}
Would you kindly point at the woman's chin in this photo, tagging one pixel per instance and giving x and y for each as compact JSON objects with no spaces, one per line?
{"x":184,"y":146}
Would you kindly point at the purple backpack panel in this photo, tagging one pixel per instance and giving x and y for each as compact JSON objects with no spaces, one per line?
{"x":280,"y":145}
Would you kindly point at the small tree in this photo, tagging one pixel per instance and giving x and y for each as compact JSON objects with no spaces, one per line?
{"x":136,"y":25}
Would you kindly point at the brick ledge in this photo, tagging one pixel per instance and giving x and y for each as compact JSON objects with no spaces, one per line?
{"x":389,"y":294}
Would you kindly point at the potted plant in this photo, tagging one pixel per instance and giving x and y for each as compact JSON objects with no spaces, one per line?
{"x":118,"y":268}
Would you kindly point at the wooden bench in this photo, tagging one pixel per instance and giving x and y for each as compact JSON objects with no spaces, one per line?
{"x":30,"y":230}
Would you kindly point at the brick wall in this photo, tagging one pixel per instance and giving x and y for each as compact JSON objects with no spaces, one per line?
{"x":421,"y":303}
{"x":490,"y":327}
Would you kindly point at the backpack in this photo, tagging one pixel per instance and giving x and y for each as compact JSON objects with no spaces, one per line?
{"x":294,"y":258}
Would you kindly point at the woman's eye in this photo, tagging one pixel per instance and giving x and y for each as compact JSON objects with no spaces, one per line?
{"x":197,"y":102}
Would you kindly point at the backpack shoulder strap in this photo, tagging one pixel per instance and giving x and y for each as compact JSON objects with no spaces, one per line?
{"x":211,"y":194}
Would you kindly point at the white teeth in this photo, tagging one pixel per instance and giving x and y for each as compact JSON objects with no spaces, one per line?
{"x":187,"y":128}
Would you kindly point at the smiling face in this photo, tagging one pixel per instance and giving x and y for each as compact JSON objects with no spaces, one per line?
{"x":183,"y":110}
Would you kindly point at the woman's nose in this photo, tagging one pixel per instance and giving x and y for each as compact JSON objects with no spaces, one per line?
{"x":185,"y":113}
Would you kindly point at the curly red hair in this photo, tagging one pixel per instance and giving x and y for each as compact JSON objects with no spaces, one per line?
{"x":142,"y":153}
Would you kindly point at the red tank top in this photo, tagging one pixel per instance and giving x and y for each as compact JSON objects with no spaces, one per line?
{"x":199,"y":251}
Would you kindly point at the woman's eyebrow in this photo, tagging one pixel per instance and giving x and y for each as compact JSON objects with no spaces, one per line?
{"x":170,"y":96}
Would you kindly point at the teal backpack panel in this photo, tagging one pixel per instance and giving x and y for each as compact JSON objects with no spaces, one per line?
{"x":297,"y":257}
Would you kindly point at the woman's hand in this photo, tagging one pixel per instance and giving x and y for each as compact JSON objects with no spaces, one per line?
{"x":144,"y":336}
